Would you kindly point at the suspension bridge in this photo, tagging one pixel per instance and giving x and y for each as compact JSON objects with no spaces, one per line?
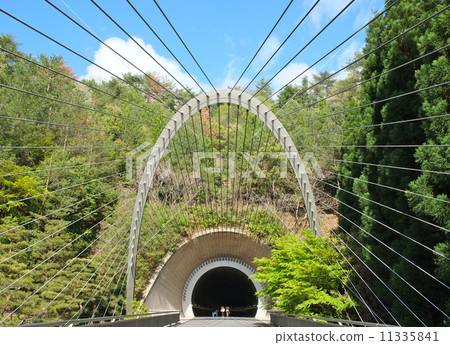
{"x":140,"y":200}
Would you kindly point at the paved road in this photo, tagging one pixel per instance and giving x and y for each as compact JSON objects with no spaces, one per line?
{"x":223,"y":322}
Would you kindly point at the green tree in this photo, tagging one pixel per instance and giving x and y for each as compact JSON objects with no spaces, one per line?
{"x":434,"y":70}
{"x":263,"y":90}
{"x":298,"y":282}
{"x":294,"y":93}
{"x":385,"y":146}
{"x":323,"y":89}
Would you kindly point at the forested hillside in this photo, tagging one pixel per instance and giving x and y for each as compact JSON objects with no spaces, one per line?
{"x":62,"y":172}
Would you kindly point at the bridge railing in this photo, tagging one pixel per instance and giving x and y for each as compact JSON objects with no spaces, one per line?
{"x":292,"y":320}
{"x":152,"y":319}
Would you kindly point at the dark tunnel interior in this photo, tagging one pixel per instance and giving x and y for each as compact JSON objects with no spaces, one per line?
{"x":224,"y":286}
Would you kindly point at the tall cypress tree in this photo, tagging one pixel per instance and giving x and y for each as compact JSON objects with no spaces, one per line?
{"x":395,"y":272}
{"x":435,"y":70}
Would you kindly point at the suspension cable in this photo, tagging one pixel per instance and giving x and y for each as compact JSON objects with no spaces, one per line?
{"x":373,"y":103}
{"x":90,"y":260}
{"x":93,"y":274}
{"x":384,"y":225}
{"x":61,"y":189}
{"x":83,"y":83}
{"x":379,"y":146}
{"x":90,"y":61}
{"x":164,"y":225}
{"x":145,"y":50}
{"x":305,"y":46}
{"x":184,"y":44}
{"x":324,"y":56}
{"x":121,"y":273}
{"x":62,"y":168}
{"x":124,"y":246}
{"x":63,"y":147}
{"x":56,"y":252}
{"x":73,"y":104}
{"x":285,"y":40}
{"x":372,"y":51}
{"x":375,"y":316}
{"x":124,"y":273}
{"x":70,"y":261}
{"x":384,"y":166}
{"x":164,"y":44}
{"x":388,"y":187}
{"x":61,"y":209}
{"x":305,"y":244}
{"x":381,"y":280}
{"x":400,"y":277}
{"x":262,"y":44}
{"x":385,"y":245}
{"x":358,"y":296}
{"x":365,"y":81}
{"x":70,"y":126}
{"x":356,"y":271}
{"x":51,"y":235}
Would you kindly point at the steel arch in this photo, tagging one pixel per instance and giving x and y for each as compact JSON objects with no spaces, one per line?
{"x":181,"y":116}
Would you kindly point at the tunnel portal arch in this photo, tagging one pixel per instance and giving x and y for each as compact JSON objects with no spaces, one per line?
{"x":223,"y":96}
{"x":228,"y":248}
{"x":207,"y":267}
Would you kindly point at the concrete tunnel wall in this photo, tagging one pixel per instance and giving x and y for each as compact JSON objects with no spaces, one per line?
{"x":165,"y":291}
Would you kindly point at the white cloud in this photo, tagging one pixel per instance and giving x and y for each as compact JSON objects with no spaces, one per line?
{"x":231,"y":76}
{"x":367,"y":12}
{"x":347,"y":54}
{"x":269,"y":48}
{"x":131,"y":51}
{"x":271,"y":45}
{"x":290,"y":72}
{"x":229,"y":41}
{"x":325,"y":10}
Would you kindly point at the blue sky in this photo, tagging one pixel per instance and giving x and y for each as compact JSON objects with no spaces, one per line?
{"x":222,"y":35}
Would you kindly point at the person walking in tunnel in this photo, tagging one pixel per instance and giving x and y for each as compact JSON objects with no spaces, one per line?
{"x":222,"y":310}
{"x":227,"y":310}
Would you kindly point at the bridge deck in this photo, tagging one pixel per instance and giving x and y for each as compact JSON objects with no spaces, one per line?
{"x":224,"y":322}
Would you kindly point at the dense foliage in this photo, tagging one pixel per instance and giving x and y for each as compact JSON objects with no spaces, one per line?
{"x":304,"y":276}
{"x":374,"y":190}
{"x":52,"y":237}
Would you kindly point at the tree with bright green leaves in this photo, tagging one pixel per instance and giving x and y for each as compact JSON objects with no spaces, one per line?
{"x":376,"y":145}
{"x":304,"y":277}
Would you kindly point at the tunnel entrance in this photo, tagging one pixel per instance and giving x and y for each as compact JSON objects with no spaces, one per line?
{"x":224,"y":286}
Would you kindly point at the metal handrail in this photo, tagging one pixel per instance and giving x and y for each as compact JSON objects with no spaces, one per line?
{"x":99,"y":319}
{"x":331,"y":320}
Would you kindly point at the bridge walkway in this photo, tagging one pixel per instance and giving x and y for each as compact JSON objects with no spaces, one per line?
{"x":224,"y":322}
